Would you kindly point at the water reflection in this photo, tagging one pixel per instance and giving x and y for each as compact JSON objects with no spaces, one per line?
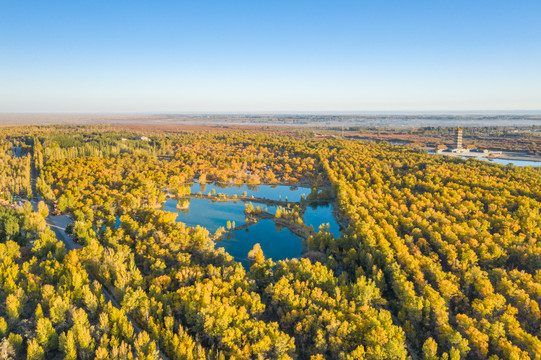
{"x":208,"y":214}
{"x":514,"y":162}
{"x":321,"y":213}
{"x":276,"y":242}
{"x":272,"y":192}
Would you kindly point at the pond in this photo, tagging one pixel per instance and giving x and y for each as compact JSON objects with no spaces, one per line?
{"x":322,"y":213}
{"x":213,"y":215}
{"x":272,"y":192}
{"x":208,"y":214}
{"x":277,"y":243}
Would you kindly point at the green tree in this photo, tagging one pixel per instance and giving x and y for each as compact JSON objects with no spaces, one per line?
{"x":3,"y":327}
{"x":33,"y":224}
{"x":16,"y":341}
{"x":430,"y":349}
{"x":43,"y":209}
{"x":68,"y":345}
{"x":34,"y":351}
{"x":46,"y":335}
{"x":145,"y":347}
{"x":13,"y":305}
{"x":11,"y":227}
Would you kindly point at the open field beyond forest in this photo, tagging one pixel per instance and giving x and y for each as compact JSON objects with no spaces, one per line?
{"x":435,"y":257}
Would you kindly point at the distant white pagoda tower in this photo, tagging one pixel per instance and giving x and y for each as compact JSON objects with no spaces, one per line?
{"x":458,"y":134}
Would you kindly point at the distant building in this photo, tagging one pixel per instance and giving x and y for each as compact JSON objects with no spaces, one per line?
{"x":144,"y":138}
{"x":459,"y":149}
{"x":458,"y":134}
{"x":468,"y":151}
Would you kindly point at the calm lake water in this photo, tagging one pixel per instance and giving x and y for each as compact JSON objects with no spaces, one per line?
{"x":277,"y":243}
{"x":515,"y":162}
{"x":501,"y":161}
{"x":208,"y":214}
{"x":321,"y":214}
{"x":213,"y":215}
{"x":272,"y":192}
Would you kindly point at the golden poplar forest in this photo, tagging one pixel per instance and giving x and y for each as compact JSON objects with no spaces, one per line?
{"x":439,"y":257}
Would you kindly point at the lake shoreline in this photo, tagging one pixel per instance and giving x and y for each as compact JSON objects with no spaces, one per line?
{"x":506,"y":156}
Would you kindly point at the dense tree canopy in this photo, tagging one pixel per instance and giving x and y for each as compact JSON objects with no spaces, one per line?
{"x":440,"y":257}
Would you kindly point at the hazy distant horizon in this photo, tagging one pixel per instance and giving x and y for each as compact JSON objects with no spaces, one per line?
{"x":286,"y":112}
{"x":413,"y":120}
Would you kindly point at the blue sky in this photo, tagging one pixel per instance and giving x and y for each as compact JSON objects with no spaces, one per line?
{"x":277,"y":56}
